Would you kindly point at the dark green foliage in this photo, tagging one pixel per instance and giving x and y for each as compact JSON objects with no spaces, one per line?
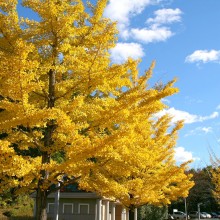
{"x":201,"y":192}
{"x":7,"y":198}
{"x":150,"y":212}
{"x":20,"y":207}
{"x":58,"y":156}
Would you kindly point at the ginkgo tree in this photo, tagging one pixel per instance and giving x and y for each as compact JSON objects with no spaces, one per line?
{"x":67,"y":110}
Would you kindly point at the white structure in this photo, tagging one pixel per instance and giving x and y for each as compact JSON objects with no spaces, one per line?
{"x":84,"y":206}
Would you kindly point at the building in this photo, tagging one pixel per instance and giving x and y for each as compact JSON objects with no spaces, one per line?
{"x":73,"y":204}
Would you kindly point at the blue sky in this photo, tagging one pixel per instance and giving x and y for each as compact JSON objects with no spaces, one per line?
{"x":183,"y":37}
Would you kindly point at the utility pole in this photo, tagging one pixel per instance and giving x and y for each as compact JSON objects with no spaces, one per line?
{"x":186,"y":209}
{"x":56,"y":204}
{"x":199,"y":209}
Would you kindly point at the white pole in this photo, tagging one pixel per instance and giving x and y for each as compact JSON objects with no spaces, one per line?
{"x":99,"y":209}
{"x":199,"y":209}
{"x":135,"y":214}
{"x":127,"y":214}
{"x":56,"y":205}
{"x":113,"y":211}
{"x":123,"y":214}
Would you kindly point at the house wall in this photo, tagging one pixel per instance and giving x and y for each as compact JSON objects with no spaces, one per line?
{"x":73,"y":209}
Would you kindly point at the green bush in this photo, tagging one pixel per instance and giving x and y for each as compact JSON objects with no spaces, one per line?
{"x":150,"y":212}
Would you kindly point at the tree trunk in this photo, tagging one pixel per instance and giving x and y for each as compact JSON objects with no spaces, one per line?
{"x":41,"y":205}
{"x":131,"y":209}
{"x":131,"y":214}
{"x":42,"y":193}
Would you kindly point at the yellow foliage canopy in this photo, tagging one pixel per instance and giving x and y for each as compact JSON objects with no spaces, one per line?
{"x":67,"y":110}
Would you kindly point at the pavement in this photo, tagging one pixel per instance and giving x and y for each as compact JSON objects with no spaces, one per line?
{"x":203,"y":219}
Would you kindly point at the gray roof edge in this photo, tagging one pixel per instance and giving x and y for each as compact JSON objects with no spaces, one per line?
{"x":80,"y":195}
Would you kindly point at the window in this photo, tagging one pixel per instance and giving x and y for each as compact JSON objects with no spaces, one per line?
{"x":50,"y":208}
{"x":67,"y":208}
{"x":83,"y":208}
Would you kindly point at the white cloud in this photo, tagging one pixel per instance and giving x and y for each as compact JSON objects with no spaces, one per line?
{"x":203,"y":56}
{"x":190,"y":100}
{"x":207,"y":129}
{"x":123,"y":11}
{"x":181,"y":155}
{"x":151,"y":35}
{"x":199,"y":131}
{"x":212,"y":116}
{"x":165,"y":16}
{"x":122,"y":51}
{"x":165,"y":100}
{"x":188,"y":118}
{"x":218,"y":107}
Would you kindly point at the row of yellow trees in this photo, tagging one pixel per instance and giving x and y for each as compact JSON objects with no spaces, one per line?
{"x":66,"y":109}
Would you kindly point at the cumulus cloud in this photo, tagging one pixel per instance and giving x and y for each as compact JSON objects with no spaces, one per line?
{"x":181,"y":155}
{"x":122,"y":51}
{"x":165,"y":16}
{"x":124,"y":10}
{"x":188,"y":118}
{"x":203,"y":56}
{"x":151,"y":35}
